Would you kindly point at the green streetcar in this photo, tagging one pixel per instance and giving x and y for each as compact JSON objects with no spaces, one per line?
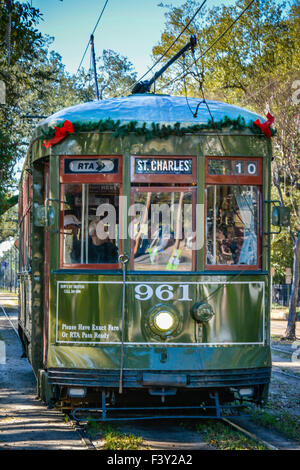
{"x":145,"y":249}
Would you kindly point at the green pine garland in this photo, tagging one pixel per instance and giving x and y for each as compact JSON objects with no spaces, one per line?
{"x":160,"y":131}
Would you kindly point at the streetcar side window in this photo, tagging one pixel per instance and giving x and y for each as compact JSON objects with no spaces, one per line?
{"x":90,"y":224}
{"x":233,"y":212}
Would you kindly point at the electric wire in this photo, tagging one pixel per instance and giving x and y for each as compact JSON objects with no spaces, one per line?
{"x":244,"y":271}
{"x":179,"y":77}
{"x":183,"y":76}
{"x":169,"y":48}
{"x":98,"y":21}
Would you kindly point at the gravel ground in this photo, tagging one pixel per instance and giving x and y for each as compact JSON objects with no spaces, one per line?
{"x":25,"y":423}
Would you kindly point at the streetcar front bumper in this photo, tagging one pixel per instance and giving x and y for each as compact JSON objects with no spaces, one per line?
{"x":133,"y":379}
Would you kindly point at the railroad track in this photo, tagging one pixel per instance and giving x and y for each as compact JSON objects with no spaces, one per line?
{"x":281,"y":350}
{"x":276,"y":370}
{"x":10,"y":321}
{"x":239,"y":427}
{"x":247,"y":433}
{"x":286,"y":374}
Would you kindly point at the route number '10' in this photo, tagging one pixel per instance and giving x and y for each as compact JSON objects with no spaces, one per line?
{"x":251,"y":168}
{"x":162,"y":292}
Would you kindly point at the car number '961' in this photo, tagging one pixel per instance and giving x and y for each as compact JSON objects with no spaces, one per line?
{"x":162,"y":292}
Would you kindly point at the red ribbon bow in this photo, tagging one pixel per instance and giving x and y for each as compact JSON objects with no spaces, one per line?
{"x":60,"y":134}
{"x":265,"y":127}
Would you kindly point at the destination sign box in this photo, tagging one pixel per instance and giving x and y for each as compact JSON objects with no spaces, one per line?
{"x":232,"y":167}
{"x":92,"y":166}
{"x":163,"y":166}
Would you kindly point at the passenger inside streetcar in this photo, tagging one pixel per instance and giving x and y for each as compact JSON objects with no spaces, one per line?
{"x":91,"y":236}
{"x":71,"y":239}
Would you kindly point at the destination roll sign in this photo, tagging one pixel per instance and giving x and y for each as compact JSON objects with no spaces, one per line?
{"x":163,"y":166}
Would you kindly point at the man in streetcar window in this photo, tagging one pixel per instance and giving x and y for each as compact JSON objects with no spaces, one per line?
{"x":71,"y":239}
{"x":101,"y":249}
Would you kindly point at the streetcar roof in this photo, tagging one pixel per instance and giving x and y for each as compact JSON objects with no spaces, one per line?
{"x":148,"y":108}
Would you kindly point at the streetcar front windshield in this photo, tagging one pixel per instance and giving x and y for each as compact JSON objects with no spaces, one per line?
{"x":231,"y":225}
{"x":90,"y":223}
{"x":162,"y":232}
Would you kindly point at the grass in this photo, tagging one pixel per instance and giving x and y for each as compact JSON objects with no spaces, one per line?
{"x":279,"y":307}
{"x":281,"y":420}
{"x":276,"y":337}
{"x":223,"y":437}
{"x":114,"y":439}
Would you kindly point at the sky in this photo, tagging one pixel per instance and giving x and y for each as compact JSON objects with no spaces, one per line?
{"x":129,"y":27}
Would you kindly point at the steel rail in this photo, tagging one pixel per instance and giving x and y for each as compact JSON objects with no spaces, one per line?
{"x":249,"y":434}
{"x":284,"y":351}
{"x":287,"y":374}
{"x":82,"y":433}
{"x":13,"y":326}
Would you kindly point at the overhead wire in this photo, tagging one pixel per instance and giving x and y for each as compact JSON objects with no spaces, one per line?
{"x":200,"y":78}
{"x":169,"y":48}
{"x":96,"y":25}
{"x":179,"y":77}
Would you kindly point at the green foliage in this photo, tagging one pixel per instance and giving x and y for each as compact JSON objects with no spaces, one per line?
{"x":8,"y":223}
{"x":115,"y":74}
{"x":281,"y":420}
{"x":37,"y":84}
{"x":114,"y":438}
{"x":223,"y":437}
{"x":261,"y":45}
{"x":254,"y":65}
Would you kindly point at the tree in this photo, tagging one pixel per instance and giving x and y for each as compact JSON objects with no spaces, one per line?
{"x":255,"y":64}
{"x":37,"y":84}
{"x":115,"y":75}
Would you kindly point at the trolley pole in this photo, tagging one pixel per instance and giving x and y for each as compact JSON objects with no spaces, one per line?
{"x":94,"y":66}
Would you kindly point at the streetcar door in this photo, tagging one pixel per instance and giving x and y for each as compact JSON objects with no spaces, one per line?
{"x":46,"y":269}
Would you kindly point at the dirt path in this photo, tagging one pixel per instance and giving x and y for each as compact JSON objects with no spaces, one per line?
{"x":278,"y":327}
{"x":25,"y":423}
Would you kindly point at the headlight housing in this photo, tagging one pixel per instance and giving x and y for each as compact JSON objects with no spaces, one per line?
{"x":202,"y":312}
{"x":163,"y":321}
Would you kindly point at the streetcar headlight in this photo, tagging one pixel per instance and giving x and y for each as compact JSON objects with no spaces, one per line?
{"x":163,"y":321}
{"x":76,"y":392}
{"x":246,"y":392}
